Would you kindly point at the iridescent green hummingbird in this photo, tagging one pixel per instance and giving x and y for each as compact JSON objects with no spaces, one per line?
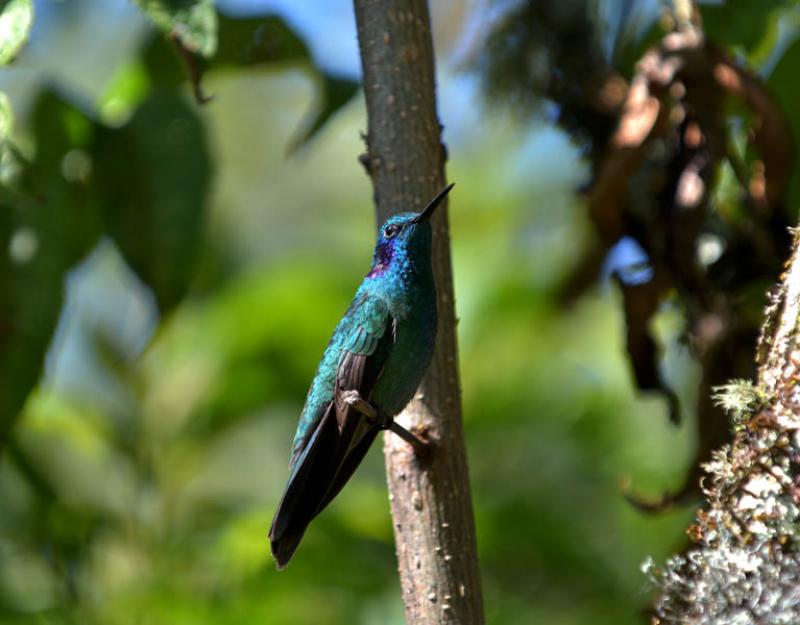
{"x":369,"y":372}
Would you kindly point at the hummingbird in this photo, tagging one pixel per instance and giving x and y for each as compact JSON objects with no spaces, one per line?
{"x":369,"y":371}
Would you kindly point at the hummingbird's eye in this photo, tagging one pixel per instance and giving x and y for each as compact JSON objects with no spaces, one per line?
{"x":391,"y":231}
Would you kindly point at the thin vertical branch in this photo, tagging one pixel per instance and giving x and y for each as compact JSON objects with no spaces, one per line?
{"x":431,"y":502}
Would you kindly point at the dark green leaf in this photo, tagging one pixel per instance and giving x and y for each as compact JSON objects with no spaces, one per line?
{"x":16,"y":18}
{"x":255,"y":41}
{"x":252,"y":42}
{"x":263,"y":40}
{"x":164,"y":64}
{"x":738,"y":22}
{"x":335,"y":93}
{"x":154,"y":179}
{"x":48,"y":222}
{"x":242,"y":43}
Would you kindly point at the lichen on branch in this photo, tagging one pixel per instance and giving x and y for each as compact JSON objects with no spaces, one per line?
{"x":744,"y":566}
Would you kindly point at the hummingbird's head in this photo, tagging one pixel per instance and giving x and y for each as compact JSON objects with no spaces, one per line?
{"x":405,"y":237}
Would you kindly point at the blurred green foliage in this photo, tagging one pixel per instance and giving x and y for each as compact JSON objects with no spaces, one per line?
{"x":169,"y":280}
{"x":16,"y":18}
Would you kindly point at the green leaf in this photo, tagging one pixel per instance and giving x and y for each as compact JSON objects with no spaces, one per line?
{"x":6,"y":118}
{"x":256,"y":41}
{"x":252,"y":42}
{"x":165,"y":68}
{"x":335,"y":93}
{"x":47,"y":224}
{"x":154,"y":176}
{"x":128,"y":89}
{"x":245,"y":42}
{"x":16,"y":18}
{"x":192,"y":22}
{"x":738,"y":22}
{"x":8,"y":160}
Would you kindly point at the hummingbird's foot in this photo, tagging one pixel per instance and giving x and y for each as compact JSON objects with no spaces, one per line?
{"x":354,"y":400}
{"x":385,"y":422}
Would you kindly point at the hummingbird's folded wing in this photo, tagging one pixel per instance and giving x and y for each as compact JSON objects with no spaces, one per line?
{"x":364,"y":352}
{"x":341,"y":436}
{"x":363,"y":359}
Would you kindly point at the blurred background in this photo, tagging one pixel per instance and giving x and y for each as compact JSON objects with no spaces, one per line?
{"x":173,"y":270}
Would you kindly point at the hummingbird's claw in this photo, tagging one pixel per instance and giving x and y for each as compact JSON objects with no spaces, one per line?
{"x":353,"y":399}
{"x":376,"y":416}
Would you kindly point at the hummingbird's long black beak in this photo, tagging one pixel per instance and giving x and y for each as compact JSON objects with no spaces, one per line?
{"x":426,"y":214}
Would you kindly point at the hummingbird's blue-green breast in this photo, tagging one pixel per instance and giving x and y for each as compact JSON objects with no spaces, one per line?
{"x":381,"y":348}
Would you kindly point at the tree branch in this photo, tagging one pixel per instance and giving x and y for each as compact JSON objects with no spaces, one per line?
{"x":431,"y":504}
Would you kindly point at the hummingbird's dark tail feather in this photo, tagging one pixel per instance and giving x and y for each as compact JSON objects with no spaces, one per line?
{"x":305,"y":491}
{"x":327,"y":463}
{"x":283,"y":549}
{"x":349,"y":465}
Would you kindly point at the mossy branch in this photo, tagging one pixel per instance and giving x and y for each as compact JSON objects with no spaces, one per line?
{"x":745,"y":564}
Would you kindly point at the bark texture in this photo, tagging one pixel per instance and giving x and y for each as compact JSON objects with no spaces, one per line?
{"x":430,"y":497}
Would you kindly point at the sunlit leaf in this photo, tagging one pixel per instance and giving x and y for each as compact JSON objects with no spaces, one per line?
{"x":16,"y":18}
{"x":6,"y":118}
{"x":127,"y":91}
{"x":8,"y":160}
{"x":193,"y":23}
